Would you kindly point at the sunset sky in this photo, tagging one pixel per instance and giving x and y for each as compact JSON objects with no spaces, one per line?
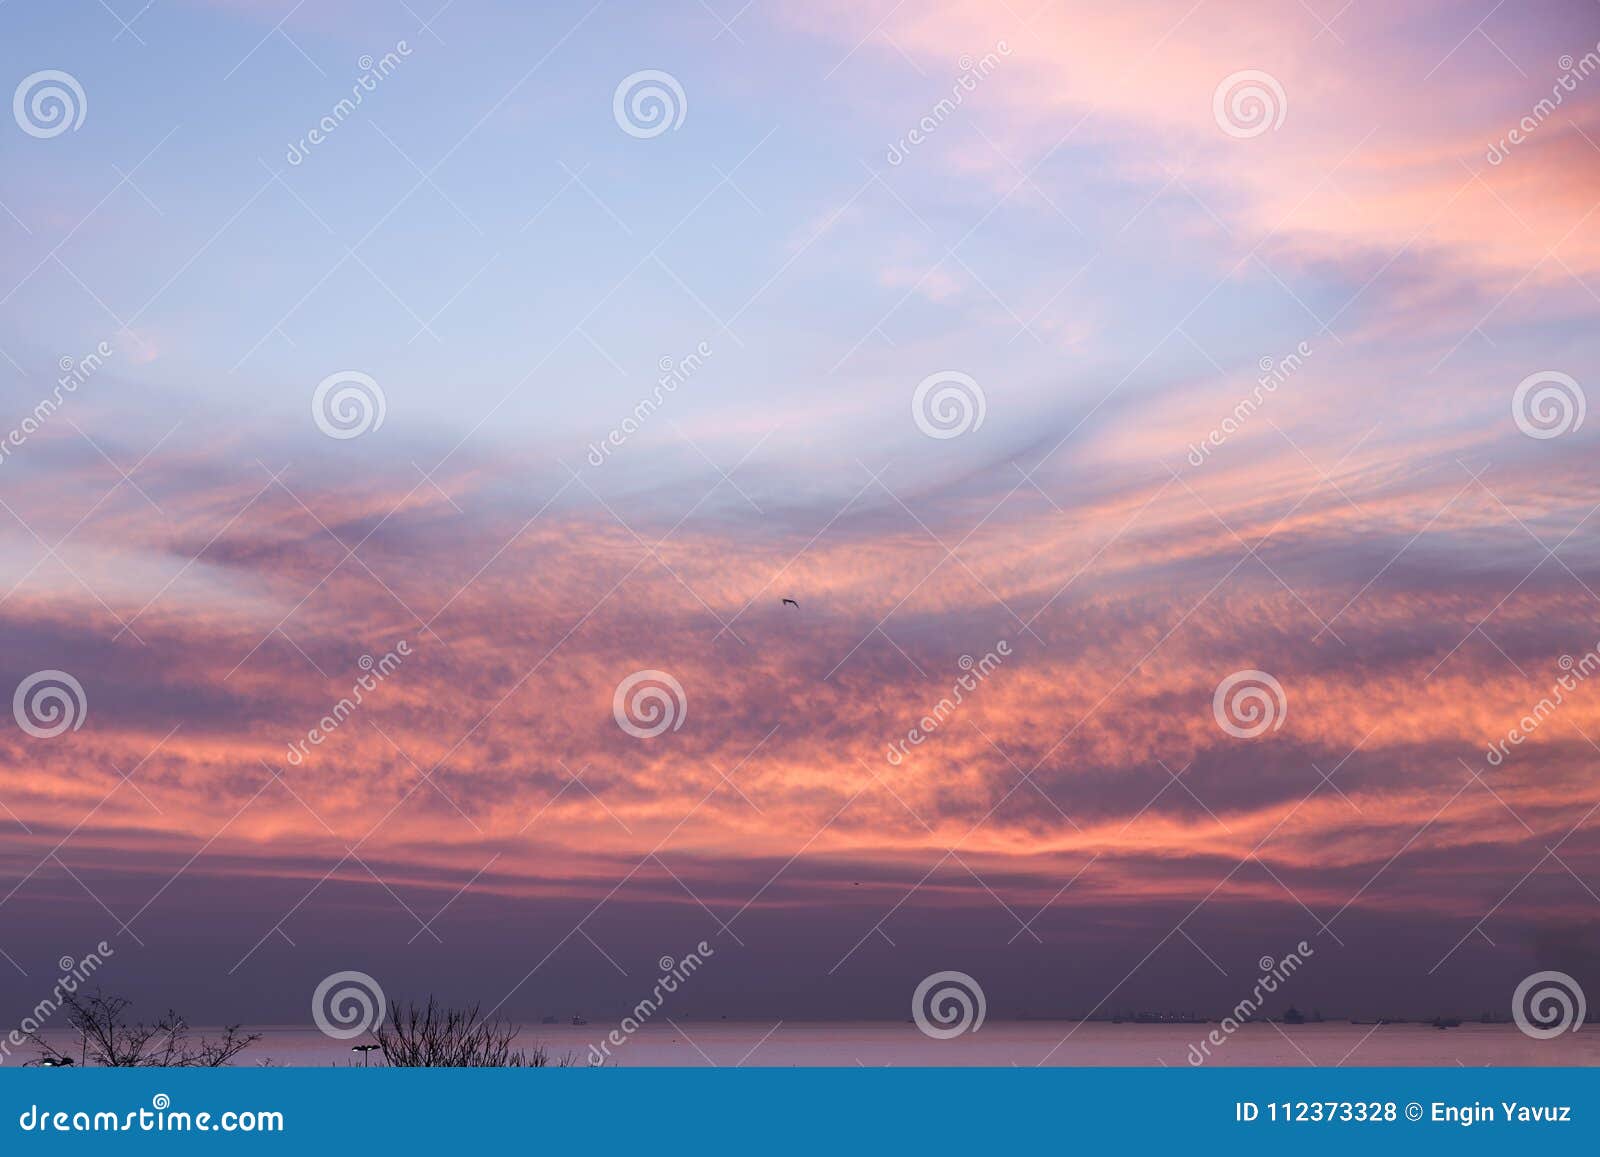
{"x":1088,"y":232}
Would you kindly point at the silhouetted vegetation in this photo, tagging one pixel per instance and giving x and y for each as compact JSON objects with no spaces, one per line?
{"x":432,"y":1036}
{"x":105,"y":1037}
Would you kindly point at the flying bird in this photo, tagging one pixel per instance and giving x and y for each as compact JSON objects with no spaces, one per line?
{"x":791,"y":603}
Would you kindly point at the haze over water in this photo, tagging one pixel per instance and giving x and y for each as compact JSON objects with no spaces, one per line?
{"x":727,"y":1043}
{"x":1088,"y":498}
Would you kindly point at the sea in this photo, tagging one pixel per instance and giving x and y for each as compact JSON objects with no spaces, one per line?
{"x":998,"y":1044}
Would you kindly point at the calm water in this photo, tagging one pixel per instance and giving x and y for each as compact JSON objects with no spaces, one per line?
{"x":1011,"y":1043}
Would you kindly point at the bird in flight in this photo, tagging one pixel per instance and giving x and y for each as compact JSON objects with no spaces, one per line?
{"x":791,"y":603}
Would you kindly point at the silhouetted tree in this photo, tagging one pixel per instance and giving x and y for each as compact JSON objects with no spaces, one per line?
{"x":106,"y":1038}
{"x":432,"y":1036}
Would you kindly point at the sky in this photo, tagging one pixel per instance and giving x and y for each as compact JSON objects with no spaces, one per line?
{"x":1180,"y":407}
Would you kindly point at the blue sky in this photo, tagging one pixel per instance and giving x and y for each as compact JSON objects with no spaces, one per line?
{"x":545,"y":250}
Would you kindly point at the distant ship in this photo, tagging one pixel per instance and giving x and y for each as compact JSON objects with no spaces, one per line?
{"x":579,"y":1020}
{"x":1294,"y":1016}
{"x":1446,"y":1022}
{"x":1158,"y":1018}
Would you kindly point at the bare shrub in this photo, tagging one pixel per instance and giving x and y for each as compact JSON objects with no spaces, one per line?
{"x":432,"y":1036}
{"x":105,"y":1037}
